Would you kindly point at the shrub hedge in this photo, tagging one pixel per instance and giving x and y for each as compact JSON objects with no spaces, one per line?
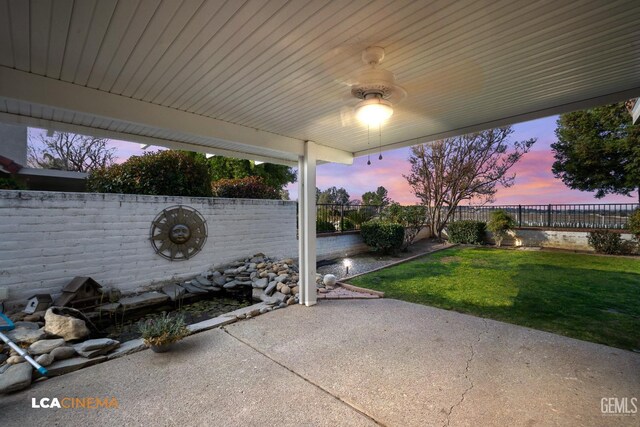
{"x":161,"y":173}
{"x":385,"y":237}
{"x":324,"y":226}
{"x":251,"y":187}
{"x":608,"y":242}
{"x":634,"y":224}
{"x":467,"y":231}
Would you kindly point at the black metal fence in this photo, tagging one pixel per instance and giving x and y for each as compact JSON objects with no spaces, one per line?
{"x":340,"y":218}
{"x":611,"y":216}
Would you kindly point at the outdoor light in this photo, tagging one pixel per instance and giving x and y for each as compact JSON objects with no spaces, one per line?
{"x":144,"y":146}
{"x":257,"y":162}
{"x":347,"y":264}
{"x":373,"y":110}
{"x":209,"y":155}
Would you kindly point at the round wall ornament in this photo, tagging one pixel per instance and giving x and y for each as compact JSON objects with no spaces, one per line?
{"x":178,"y":233}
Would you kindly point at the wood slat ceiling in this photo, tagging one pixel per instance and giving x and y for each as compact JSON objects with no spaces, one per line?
{"x":285,"y":66}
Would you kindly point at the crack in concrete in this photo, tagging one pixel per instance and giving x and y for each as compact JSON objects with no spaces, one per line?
{"x":466,"y":375}
{"x":338,"y":398}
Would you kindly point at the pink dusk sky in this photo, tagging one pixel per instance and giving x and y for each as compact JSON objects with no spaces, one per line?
{"x":535,"y":184}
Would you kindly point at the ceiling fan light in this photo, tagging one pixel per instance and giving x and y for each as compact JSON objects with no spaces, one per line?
{"x":373,"y":111}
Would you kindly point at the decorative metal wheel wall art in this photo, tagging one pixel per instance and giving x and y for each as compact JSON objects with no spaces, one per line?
{"x":178,"y":233}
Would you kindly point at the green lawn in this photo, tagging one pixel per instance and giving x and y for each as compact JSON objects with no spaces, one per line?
{"x":593,"y":298}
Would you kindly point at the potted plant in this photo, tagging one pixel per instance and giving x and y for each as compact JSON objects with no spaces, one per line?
{"x":161,"y":332}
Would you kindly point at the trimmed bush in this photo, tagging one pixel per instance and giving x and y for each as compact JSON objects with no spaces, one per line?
{"x":385,"y":237}
{"x":324,"y":227}
{"x":467,"y":231}
{"x":412,"y":218}
{"x":608,"y":242}
{"x":161,"y":173}
{"x":500,"y":224}
{"x":251,"y":187}
{"x":634,"y":224}
{"x":346,"y":224}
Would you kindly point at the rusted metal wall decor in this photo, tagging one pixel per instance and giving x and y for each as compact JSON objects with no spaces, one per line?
{"x":178,"y":233}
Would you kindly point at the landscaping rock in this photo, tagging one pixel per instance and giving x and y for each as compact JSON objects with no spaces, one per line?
{"x":204,"y":281}
{"x":220,"y":280}
{"x":149,"y":298}
{"x":35,"y":317}
{"x":268,"y":300}
{"x":97,"y":347}
{"x":173,"y":291}
{"x":69,"y":365}
{"x":285,"y":290}
{"x":45,"y":346}
{"x":16,"y":377}
{"x":65,"y":326}
{"x":14,"y":360}
{"x":256,"y":294}
{"x":3,"y":358}
{"x":62,"y":353}
{"x":109,"y":308}
{"x":282,"y":278}
{"x":192,"y":289}
{"x":264,"y":310}
{"x":329,"y":280}
{"x":261,"y":283}
{"x":26,"y":335}
{"x":232,"y":284}
{"x":271,"y":288}
{"x":279,"y":296}
{"x":45,"y":359}
{"x":128,"y":347}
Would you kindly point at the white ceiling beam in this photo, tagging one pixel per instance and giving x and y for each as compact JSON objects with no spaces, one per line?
{"x":39,"y":90}
{"x":510,"y":120}
{"x":141,"y":139}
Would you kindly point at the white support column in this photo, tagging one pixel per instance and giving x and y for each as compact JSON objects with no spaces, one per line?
{"x":307,"y":224}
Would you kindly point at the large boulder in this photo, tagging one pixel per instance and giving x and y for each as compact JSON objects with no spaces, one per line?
{"x":65,"y":326}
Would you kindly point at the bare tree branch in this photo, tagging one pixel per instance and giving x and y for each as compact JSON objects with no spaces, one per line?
{"x":71,"y":152}
{"x":466,"y":168}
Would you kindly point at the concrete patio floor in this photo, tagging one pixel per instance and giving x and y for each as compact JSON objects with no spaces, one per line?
{"x":353,"y":362}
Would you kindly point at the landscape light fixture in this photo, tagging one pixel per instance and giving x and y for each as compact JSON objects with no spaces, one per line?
{"x":347,"y":264}
{"x":209,"y":155}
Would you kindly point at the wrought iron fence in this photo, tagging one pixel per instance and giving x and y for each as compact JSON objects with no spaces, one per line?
{"x":340,"y":218}
{"x":612,"y":216}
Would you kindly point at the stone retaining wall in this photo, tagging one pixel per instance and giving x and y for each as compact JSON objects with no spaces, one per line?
{"x":49,"y":237}
{"x":552,"y":238}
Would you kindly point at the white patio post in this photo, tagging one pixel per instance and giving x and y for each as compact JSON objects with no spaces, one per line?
{"x":307,"y":224}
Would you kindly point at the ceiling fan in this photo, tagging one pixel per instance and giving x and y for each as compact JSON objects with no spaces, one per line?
{"x":376,"y":88}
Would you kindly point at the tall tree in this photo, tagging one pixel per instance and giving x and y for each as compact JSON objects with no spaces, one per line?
{"x":598,"y":150}
{"x":276,"y":176}
{"x":465,"y":168}
{"x":380,"y":197}
{"x":71,"y":152}
{"x":333,"y":196}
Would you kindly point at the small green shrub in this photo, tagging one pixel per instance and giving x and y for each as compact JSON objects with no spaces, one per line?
{"x":467,"y":231}
{"x":161,"y":173}
{"x":609,"y":242}
{"x":324,"y":226}
{"x":10,"y":183}
{"x":412,"y":218}
{"x":361,"y":215}
{"x":634,"y":224}
{"x":500,"y":224}
{"x":346,"y":224}
{"x":164,"y":329}
{"x":383,"y":236}
{"x":251,"y":187}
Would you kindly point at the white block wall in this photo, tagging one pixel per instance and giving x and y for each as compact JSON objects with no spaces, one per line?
{"x":556,"y":239}
{"x":47,"y":238}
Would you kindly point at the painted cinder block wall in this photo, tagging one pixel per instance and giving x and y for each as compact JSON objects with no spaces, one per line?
{"x":47,"y":238}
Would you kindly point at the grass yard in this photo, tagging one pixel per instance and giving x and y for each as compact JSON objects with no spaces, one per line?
{"x":589,"y":297}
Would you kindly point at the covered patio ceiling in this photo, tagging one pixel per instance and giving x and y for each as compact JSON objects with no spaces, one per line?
{"x":257,"y":78}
